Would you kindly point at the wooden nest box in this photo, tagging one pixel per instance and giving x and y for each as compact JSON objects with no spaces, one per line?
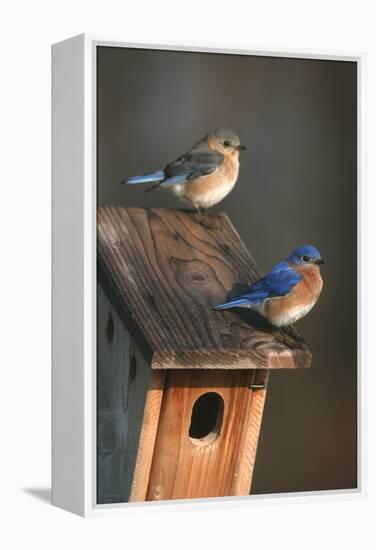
{"x":180,"y":386}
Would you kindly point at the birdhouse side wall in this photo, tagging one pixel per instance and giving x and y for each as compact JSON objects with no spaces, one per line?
{"x":123,"y":378}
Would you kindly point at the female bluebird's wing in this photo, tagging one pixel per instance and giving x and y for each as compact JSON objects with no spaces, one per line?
{"x":198,"y":161}
{"x":278,"y":282}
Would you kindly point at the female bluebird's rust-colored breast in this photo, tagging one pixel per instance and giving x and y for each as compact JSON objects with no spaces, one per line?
{"x":286,"y":310}
{"x":211,"y":189}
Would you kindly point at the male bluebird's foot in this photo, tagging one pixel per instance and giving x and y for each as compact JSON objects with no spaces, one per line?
{"x":292,"y":332}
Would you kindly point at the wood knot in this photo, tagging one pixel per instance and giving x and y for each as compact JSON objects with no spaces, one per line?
{"x":132,"y":369}
{"x":197,"y":277}
{"x":110,"y":328}
{"x":151,"y":300}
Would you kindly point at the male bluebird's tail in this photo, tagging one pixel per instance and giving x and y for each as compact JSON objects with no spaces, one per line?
{"x":238,"y":302}
{"x":156,"y":177}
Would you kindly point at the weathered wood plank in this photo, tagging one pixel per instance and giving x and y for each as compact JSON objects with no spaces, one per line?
{"x":164,"y":271}
{"x":247,"y":450}
{"x":122,"y":382}
{"x":147,"y":437}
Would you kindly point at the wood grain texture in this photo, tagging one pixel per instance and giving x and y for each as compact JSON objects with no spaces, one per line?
{"x":247,"y":450}
{"x":164,"y":271}
{"x":186,"y":468}
{"x":147,"y":437}
{"x":122,"y":382}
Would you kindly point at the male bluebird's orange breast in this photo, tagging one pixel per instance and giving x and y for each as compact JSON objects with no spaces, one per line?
{"x":311,"y":279}
{"x":299,"y":300}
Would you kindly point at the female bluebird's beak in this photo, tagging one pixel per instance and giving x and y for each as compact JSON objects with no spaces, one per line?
{"x":319,"y":261}
{"x":241,"y":147}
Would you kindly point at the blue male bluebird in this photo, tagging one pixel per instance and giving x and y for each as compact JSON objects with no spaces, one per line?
{"x":205,"y":174}
{"x":288,"y":292}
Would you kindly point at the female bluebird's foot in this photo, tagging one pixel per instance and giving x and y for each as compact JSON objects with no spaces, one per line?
{"x":205,"y":218}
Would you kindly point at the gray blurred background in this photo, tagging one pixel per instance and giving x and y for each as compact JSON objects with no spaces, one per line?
{"x":297,"y":185}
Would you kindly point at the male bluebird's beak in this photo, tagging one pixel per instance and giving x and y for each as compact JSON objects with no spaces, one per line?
{"x":319,"y":261}
{"x":241,"y":147}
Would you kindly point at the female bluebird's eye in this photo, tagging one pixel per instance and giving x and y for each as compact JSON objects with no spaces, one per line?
{"x":226,"y":143}
{"x":305,"y":258}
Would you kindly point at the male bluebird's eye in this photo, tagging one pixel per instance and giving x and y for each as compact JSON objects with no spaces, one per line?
{"x":226,"y":143}
{"x":305,"y":258}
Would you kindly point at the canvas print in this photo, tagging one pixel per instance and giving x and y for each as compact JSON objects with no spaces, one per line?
{"x":227,"y":275}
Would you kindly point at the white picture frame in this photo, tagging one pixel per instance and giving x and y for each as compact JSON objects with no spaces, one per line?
{"x":74,"y":279}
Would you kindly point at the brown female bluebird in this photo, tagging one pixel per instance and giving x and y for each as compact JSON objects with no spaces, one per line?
{"x":205,"y":174}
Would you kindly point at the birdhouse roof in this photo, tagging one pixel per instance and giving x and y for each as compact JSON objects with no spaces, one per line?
{"x":164,"y":270}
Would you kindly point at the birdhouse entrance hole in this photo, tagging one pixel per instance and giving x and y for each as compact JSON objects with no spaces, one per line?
{"x":206,"y":419}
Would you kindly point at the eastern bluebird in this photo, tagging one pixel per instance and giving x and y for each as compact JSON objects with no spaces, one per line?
{"x":205,"y":174}
{"x":288,"y":292}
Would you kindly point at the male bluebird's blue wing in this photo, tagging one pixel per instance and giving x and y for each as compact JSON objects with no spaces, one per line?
{"x":278,"y":282}
{"x":198,"y":161}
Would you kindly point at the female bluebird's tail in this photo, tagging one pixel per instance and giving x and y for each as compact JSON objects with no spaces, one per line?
{"x":156,"y":177}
